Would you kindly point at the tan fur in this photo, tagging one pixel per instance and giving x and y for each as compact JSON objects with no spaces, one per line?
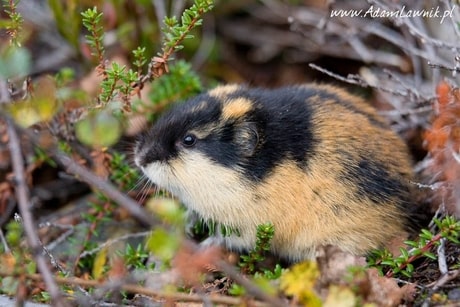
{"x":236,"y":108}
{"x":224,"y":90}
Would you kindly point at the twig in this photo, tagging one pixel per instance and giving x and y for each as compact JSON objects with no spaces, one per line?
{"x":113,"y":241}
{"x":68,"y":231}
{"x":410,"y":89}
{"x":417,"y":32}
{"x":351,"y":79}
{"x":442,"y":262}
{"x":108,"y":189}
{"x":22,"y":195}
{"x":452,"y":69}
{"x":4,"y":243}
{"x":451,"y":275}
{"x":137,"y":289}
{"x":5,"y":96}
{"x":358,"y":80}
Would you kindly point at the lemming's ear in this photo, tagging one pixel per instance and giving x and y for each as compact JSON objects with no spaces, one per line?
{"x":247,"y":138}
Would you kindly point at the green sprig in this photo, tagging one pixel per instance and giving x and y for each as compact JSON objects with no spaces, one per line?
{"x":383,"y":260}
{"x":92,"y":20}
{"x":16,"y":21}
{"x":175,"y":33}
{"x":139,"y":58}
{"x":264,"y":236}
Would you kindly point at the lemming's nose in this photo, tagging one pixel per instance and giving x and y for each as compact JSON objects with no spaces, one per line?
{"x":146,"y":156}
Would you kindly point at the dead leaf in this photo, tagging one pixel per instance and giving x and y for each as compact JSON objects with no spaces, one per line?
{"x":191,"y":264}
{"x":384,"y":291}
{"x":7,"y":263}
{"x":334,"y":264}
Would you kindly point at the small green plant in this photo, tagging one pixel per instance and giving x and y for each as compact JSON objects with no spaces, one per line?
{"x":17,"y":261}
{"x":384,"y":261}
{"x":175,"y":33}
{"x":139,"y":59}
{"x":41,"y":157}
{"x":91,"y":19}
{"x":264,"y":235}
{"x":43,"y":297}
{"x":14,"y":26}
{"x":136,"y":257}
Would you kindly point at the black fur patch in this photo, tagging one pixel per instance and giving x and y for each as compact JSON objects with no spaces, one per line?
{"x":283,"y":119}
{"x":375,"y":183}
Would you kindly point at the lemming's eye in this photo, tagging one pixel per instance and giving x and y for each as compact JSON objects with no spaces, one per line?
{"x":189,"y":140}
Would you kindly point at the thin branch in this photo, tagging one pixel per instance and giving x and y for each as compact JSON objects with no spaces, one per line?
{"x":137,"y":289}
{"x":358,"y":80}
{"x":417,"y":32}
{"x":444,"y":279}
{"x":24,"y":205}
{"x":6,"y":248}
{"x":351,"y":79}
{"x":452,"y":69}
{"x":442,"y":262}
{"x":108,"y":189}
{"x":113,"y":241}
{"x":5,"y":96}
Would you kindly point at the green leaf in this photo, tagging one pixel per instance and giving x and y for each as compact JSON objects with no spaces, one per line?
{"x":14,"y":63}
{"x":9,"y":285}
{"x":168,"y":209}
{"x":426,"y":234}
{"x":410,"y":267}
{"x":411,"y":243}
{"x":453,"y":239}
{"x":387,"y":262}
{"x":404,"y":252}
{"x":163,"y":244}
{"x":430,"y":255}
{"x":237,"y":290}
{"x":99,"y":129}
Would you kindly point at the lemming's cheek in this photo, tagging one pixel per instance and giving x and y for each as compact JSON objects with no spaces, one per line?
{"x":159,"y":173}
{"x":204,"y":180}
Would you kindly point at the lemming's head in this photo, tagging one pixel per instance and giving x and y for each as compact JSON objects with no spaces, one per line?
{"x":227,"y":130}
